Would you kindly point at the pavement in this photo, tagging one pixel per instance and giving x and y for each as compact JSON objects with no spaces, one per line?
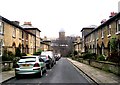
{"x":7,"y":75}
{"x":95,"y":74}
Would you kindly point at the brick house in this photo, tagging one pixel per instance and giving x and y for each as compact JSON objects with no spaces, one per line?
{"x":45,"y":44}
{"x":85,"y":31}
{"x":29,"y":28}
{"x":12,"y":36}
{"x":78,"y":45}
{"x":98,"y":40}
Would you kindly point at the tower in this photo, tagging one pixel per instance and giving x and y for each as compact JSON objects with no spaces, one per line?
{"x":62,"y":35}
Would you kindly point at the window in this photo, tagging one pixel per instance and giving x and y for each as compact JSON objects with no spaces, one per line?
{"x":102,"y":33}
{"x":96,"y":34}
{"x":20,"y":34}
{"x":14,"y":32}
{"x":1,"y":27}
{"x":118,"y":27}
{"x":1,"y":47}
{"x":109,"y":30}
{"x":41,"y":60}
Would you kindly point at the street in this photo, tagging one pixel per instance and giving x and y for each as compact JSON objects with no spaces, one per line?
{"x":62,"y":72}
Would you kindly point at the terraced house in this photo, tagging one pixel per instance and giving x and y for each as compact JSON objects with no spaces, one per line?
{"x":35,"y":31}
{"x":12,"y":36}
{"x":78,"y":45}
{"x":98,"y":40}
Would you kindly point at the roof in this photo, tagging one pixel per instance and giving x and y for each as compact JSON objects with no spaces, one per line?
{"x":14,"y":24}
{"x":105,"y":23}
{"x":87,"y":28}
{"x":28,"y":27}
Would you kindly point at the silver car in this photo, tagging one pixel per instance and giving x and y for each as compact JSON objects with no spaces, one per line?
{"x":30,"y":65}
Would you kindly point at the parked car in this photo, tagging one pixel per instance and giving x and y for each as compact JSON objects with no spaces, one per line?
{"x":49,"y":53}
{"x":30,"y":65}
{"x":57,"y":57}
{"x":47,"y":60}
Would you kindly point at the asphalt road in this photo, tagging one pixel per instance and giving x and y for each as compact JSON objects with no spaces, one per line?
{"x":62,"y":72}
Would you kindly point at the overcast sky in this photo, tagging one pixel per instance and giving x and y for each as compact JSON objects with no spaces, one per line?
{"x":51,"y":16}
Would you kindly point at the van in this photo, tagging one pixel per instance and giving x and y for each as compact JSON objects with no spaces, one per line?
{"x":50,"y":54}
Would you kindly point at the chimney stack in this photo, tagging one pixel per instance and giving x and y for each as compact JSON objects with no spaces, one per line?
{"x":27,"y":23}
{"x":104,"y":20}
{"x":16,"y":22}
{"x":112,"y":14}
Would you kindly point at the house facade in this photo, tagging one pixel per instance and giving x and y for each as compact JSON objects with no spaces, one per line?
{"x":12,"y":36}
{"x":35,"y":31}
{"x":78,"y":45}
{"x":98,"y":40}
{"x":45,"y":44}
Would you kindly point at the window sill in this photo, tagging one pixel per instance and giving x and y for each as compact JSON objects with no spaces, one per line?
{"x":19,"y":38}
{"x":117,"y":33}
{"x":13,"y":36}
{"x":109,"y":35}
{"x":1,"y":33}
{"x":102,"y":37}
{"x":97,"y":39}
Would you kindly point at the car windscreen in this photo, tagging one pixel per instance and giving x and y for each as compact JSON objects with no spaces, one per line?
{"x":44,"y":58}
{"x":27,"y":59}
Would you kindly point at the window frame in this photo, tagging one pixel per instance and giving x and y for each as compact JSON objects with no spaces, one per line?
{"x":118,"y":26}
{"x":1,"y":27}
{"x":1,"y":44}
{"x":14,"y":32}
{"x":102,"y":33}
{"x":109,"y":30}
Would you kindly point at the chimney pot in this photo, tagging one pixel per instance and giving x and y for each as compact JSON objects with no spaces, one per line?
{"x":27,"y":23}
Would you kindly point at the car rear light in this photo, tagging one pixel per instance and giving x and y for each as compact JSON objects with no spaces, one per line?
{"x":36,"y":65}
{"x":16,"y":66}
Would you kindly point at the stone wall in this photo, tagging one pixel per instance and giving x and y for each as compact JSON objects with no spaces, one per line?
{"x":106,"y":66}
{"x":6,"y":65}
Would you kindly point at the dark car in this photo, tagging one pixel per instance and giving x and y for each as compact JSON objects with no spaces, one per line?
{"x":47,"y":60}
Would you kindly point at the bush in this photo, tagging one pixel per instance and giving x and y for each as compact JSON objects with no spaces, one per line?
{"x":7,"y":56}
{"x":114,"y":57}
{"x":23,"y":54}
{"x":89,"y":56}
{"x":75,"y":52}
{"x":15,"y":60}
{"x":101,"y":58}
{"x":37,"y":53}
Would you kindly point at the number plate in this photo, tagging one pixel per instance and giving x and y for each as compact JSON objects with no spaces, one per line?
{"x":25,"y":65}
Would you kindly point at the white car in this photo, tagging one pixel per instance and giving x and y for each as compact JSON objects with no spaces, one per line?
{"x":30,"y":65}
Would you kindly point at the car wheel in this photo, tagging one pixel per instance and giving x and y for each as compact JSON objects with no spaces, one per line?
{"x":17,"y":76}
{"x":45,"y":70}
{"x":49,"y":66}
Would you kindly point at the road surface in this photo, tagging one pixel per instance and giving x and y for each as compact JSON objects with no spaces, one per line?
{"x":62,"y":72}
